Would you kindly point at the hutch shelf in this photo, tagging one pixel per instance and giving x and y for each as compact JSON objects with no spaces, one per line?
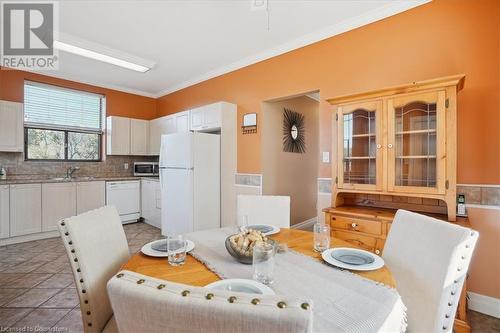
{"x":398,"y":141}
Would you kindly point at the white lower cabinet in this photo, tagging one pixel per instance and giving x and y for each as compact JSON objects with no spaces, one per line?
{"x":4,"y":212}
{"x":151,"y":202}
{"x":58,"y":202}
{"x":25,"y":209}
{"x":90,"y":195}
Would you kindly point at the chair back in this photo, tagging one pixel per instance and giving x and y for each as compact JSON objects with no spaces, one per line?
{"x":265,"y":209}
{"x":144,"y":304}
{"x":429,"y":259}
{"x":97,"y":247}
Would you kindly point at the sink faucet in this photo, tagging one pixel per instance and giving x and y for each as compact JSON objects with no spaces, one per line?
{"x":70,"y":171}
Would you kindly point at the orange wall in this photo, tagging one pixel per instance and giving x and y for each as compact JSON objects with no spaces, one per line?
{"x":441,"y":38}
{"x":117,"y":103}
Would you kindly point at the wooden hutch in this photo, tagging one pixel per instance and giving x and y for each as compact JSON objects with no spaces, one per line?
{"x":396,"y":148}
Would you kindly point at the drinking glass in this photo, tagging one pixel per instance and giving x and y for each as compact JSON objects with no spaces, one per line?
{"x":242,"y":223}
{"x":176,"y":248}
{"x":321,"y":237}
{"x":263,"y":263}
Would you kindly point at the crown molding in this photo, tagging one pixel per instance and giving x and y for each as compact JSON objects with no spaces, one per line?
{"x":388,"y":10}
{"x":92,"y":83}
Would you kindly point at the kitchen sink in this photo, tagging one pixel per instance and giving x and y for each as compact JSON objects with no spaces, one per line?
{"x":73,"y":179}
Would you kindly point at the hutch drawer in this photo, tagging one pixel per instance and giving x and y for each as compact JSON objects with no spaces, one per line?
{"x":365,"y":242}
{"x":355,"y":224}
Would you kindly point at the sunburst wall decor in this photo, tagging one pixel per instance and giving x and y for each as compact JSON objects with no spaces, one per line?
{"x":294,"y":140}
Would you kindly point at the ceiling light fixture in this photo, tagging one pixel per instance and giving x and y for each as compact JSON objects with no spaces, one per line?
{"x":100,"y":56}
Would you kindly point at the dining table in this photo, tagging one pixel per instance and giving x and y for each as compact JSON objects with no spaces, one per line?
{"x":195,"y":273}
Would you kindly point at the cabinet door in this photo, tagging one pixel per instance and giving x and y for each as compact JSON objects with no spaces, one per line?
{"x":25,"y":209}
{"x":147,"y":199}
{"x":197,"y":119}
{"x":182,"y":121}
{"x":4,"y":212}
{"x":212,"y":115}
{"x":139,"y":136}
{"x":90,"y":195}
{"x":359,"y":146}
{"x":11,"y":127}
{"x":58,"y":202}
{"x":169,"y":126}
{"x":118,"y":136}
{"x":416,"y":143}
{"x":155,"y":136}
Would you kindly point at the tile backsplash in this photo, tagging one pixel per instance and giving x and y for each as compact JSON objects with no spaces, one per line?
{"x":480,"y":194}
{"x":112,"y":166}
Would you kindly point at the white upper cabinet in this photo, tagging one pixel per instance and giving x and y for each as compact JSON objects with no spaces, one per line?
{"x":118,"y":135}
{"x":58,"y":202}
{"x":25,"y":209}
{"x":182,"y":122}
{"x":11,"y":127}
{"x":208,"y":117}
{"x":90,"y":195}
{"x":139,"y":136}
{"x":4,"y":212}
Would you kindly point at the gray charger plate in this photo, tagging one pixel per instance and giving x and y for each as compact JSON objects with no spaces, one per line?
{"x":351,"y":258}
{"x":162,"y":246}
{"x":260,"y":227}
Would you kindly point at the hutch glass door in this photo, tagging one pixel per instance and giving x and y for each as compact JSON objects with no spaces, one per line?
{"x":416,"y":143}
{"x":358,"y":146}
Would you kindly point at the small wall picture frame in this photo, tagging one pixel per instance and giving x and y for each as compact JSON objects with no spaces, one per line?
{"x":249,"y":123}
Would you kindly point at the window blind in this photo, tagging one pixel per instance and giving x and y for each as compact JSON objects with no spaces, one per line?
{"x":53,"y":107}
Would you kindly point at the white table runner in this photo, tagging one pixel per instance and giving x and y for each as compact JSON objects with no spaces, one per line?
{"x":342,"y":301}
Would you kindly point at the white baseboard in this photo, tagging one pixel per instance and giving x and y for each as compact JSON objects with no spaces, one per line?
{"x":484,"y":304}
{"x":306,"y":224}
{"x":29,"y":238}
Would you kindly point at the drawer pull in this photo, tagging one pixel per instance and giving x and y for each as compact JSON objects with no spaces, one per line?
{"x":354,"y":225}
{"x":377,"y":251}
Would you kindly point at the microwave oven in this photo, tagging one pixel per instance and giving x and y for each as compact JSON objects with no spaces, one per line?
{"x":146,"y":169}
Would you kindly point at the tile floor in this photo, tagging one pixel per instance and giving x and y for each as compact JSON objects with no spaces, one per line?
{"x":37,"y":290}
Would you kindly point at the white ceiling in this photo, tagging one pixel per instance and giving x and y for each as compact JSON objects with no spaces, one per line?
{"x":191,"y":41}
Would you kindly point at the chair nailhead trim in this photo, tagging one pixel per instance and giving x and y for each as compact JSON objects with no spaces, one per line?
{"x":459,"y":269}
{"x":90,"y":324}
{"x":463,"y":257}
{"x":86,"y":301}
{"x":444,"y":327}
{"x":81,"y":280}
{"x":185,"y":293}
{"x":255,"y":301}
{"x":209,"y":296}
{"x":452,"y":293}
{"x":305,"y":306}
{"x":88,"y":313}
{"x":84,"y":291}
{"x":62,"y":223}
{"x":73,"y":251}
{"x":231,"y":299}
{"x":75,"y":260}
{"x":281,"y":305}
{"x":141,"y":281}
{"x":78,"y":270}
{"x":120,"y":275}
{"x":161,"y":286}
{"x":70,"y":243}
{"x":66,"y":233}
{"x":450,"y":303}
{"x":447,"y":316}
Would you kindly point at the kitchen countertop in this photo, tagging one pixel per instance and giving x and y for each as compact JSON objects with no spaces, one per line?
{"x":74,"y":180}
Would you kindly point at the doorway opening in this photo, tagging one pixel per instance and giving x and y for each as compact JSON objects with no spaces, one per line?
{"x":290,"y":152}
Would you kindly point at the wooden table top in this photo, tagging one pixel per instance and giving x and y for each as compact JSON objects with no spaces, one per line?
{"x":195,"y":273}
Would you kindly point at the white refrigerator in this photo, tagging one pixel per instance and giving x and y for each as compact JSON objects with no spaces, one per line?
{"x":190,"y":182}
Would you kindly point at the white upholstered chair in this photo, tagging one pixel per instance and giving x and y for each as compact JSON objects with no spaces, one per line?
{"x":97,"y":247}
{"x":145,"y":304}
{"x":265,"y":209}
{"x":429,"y":259}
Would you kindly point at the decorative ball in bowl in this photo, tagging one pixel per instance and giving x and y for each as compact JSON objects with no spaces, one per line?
{"x":240,"y":246}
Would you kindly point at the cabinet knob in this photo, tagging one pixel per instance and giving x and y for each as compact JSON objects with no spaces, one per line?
{"x":354,"y":225}
{"x":389,"y":146}
{"x":379,"y":146}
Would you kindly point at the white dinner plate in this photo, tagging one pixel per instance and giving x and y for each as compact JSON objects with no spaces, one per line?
{"x":377,"y":263}
{"x":269,"y":229}
{"x":149,"y":251}
{"x":241,"y":286}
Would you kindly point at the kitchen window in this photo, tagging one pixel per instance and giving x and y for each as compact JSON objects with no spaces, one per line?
{"x":62,"y":124}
